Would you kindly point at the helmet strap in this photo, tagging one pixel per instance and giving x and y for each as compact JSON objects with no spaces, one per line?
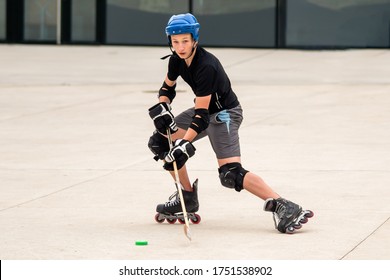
{"x":192,"y":51}
{"x":172,"y":50}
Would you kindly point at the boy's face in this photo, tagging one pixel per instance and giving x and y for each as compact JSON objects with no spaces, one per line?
{"x":182,"y":44}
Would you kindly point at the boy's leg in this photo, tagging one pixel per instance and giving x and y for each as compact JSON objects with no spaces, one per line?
{"x":255,"y":185}
{"x":183,"y":121}
{"x":223,"y":134}
{"x":184,"y":178}
{"x":183,"y":174}
{"x":252,"y":182}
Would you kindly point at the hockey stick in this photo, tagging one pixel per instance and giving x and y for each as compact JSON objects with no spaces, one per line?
{"x":187,"y":231}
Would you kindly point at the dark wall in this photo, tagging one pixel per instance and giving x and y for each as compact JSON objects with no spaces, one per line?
{"x":310,"y":25}
{"x":282,"y":23}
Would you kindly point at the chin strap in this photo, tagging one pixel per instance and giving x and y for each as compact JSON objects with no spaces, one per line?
{"x":169,"y":55}
{"x":165,"y":57}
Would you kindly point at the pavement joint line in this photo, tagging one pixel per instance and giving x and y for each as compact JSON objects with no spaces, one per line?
{"x":59,"y":108}
{"x":75,"y":84}
{"x":248,"y":59}
{"x":71,"y":186}
{"x":55,"y":192}
{"x":250,"y":83}
{"x":368,"y":236}
{"x":246,"y":124}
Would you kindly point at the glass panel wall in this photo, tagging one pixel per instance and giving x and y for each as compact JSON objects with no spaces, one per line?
{"x":40,"y":20}
{"x":225,"y":23}
{"x":251,"y":23}
{"x":245,"y":23}
{"x":140,"y":21}
{"x":335,"y":23}
{"x":83,"y":21}
{"x":3,"y":25}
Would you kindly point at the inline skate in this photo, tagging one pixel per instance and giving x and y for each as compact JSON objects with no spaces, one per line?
{"x":172,"y":210}
{"x":288,"y":216}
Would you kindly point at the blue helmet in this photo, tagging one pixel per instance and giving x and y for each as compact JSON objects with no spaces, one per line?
{"x":181,"y":24}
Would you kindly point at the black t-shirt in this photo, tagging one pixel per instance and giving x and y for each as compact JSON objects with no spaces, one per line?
{"x":205,"y":76}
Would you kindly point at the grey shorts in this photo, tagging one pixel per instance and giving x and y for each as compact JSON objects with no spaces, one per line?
{"x":222,"y":130}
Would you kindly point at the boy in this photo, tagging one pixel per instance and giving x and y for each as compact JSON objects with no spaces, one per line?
{"x":217,"y":114}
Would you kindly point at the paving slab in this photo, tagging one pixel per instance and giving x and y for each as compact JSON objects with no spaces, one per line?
{"x":78,"y":182}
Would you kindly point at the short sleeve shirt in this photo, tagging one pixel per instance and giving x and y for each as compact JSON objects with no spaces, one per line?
{"x":205,"y":76}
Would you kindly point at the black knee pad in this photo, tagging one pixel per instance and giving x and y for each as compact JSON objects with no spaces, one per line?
{"x":159,"y":145}
{"x":232,"y":175}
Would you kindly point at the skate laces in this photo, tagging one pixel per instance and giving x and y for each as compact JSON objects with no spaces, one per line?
{"x":280,"y":209}
{"x":174,"y":200}
{"x":283,"y":209}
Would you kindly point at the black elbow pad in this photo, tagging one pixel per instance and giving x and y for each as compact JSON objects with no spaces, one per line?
{"x":201,"y":120}
{"x":167,"y":91}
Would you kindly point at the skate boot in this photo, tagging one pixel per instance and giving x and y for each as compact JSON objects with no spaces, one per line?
{"x":172,"y":210}
{"x":287,"y":215}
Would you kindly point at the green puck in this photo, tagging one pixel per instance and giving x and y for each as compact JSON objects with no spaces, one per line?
{"x":141,"y":242}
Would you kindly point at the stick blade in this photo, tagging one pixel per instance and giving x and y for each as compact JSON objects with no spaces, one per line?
{"x":187,"y":232}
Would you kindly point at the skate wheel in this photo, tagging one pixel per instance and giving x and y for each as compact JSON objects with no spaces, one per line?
{"x":182,"y":221}
{"x":297,"y":226}
{"x":309,"y":214}
{"x":171,"y":221}
{"x":196,"y":219}
{"x":304,"y":220}
{"x":158,"y":219}
{"x":290,"y":230}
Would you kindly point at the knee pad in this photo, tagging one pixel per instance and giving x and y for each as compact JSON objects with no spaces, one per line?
{"x":159,"y":145}
{"x":232,"y":175}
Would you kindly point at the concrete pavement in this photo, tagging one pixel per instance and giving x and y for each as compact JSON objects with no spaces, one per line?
{"x":77,"y":180}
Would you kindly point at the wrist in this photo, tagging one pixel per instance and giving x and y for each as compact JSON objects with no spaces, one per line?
{"x":164,"y":99}
{"x":190,"y":135}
